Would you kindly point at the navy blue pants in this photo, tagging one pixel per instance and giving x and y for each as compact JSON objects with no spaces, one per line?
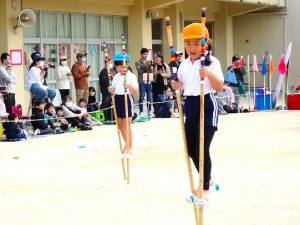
{"x":192,"y":129}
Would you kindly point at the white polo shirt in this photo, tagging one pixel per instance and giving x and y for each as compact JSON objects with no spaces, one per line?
{"x":118,"y":82}
{"x":188,"y":74}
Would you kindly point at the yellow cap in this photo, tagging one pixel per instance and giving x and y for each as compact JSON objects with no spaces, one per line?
{"x":193,"y":31}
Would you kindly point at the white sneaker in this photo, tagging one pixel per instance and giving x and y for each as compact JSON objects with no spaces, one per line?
{"x":151,"y":114}
{"x":141,"y":114}
{"x":37,"y":132}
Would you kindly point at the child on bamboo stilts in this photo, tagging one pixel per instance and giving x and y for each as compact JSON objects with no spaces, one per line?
{"x":189,"y":75}
{"x":118,"y":88}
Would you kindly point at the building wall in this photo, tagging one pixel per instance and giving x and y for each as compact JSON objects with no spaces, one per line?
{"x":255,"y":34}
{"x":77,"y":6}
{"x":293,"y":34}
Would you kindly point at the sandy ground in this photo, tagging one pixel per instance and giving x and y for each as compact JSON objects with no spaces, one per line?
{"x":55,"y":182}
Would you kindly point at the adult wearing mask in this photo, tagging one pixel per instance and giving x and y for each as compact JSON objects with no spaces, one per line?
{"x":144,"y":69}
{"x":63,"y":77}
{"x":35,"y":77}
{"x":239,"y":73}
{"x":175,"y":65}
{"x":46,"y":66}
{"x":81,"y":74}
{"x":7,"y":82}
{"x":104,"y":81}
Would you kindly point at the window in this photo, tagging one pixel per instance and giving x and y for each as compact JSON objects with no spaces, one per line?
{"x":48,"y":24}
{"x":50,"y":53}
{"x":79,"y":26}
{"x":107,"y":27}
{"x":63,"y":25}
{"x":157,"y":36}
{"x":120,"y":27}
{"x":34,"y":31}
{"x":69,"y":33}
{"x":28,"y":49}
{"x":93,"y":28}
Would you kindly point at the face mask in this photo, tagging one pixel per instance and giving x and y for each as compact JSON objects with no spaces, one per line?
{"x":69,"y":104}
{"x":83,"y":60}
{"x":63,"y":63}
{"x":110,"y":66}
{"x":93,"y":93}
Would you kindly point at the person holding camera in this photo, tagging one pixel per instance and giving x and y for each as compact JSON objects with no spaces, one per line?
{"x":161,"y":73}
{"x":145,"y":78}
{"x":35,"y":80}
{"x":239,"y":73}
{"x":81,"y":73}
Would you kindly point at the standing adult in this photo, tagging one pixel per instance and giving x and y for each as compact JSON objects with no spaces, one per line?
{"x":35,"y":77}
{"x":63,"y":77}
{"x":144,"y":69}
{"x":7,"y":78}
{"x":161,"y":73}
{"x":239,"y":73}
{"x":104,"y":81}
{"x":175,"y":65}
{"x":81,"y":74}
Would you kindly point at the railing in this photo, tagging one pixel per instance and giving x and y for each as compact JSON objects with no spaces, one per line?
{"x":279,"y":3}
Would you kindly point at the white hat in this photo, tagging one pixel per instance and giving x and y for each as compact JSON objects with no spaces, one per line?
{"x":63,"y":57}
{"x":178,"y":53}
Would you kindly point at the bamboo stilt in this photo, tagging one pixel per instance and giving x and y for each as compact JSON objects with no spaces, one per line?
{"x":127,"y":134}
{"x":201,"y":151}
{"x":201,"y":125}
{"x":187,"y":157}
{"x":119,"y":135}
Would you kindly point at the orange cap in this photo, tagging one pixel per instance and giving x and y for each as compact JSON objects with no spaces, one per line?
{"x":193,"y":31}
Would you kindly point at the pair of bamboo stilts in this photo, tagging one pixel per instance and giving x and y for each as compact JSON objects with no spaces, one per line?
{"x":126,"y":174}
{"x":198,"y":211}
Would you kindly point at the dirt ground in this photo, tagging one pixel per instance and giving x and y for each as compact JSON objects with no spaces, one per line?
{"x":76,"y":178}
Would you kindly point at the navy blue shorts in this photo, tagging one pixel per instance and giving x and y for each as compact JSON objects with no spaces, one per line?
{"x":192,"y":111}
{"x":120,"y":105}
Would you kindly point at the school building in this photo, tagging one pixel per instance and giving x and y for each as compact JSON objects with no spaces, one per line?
{"x":67,"y":27}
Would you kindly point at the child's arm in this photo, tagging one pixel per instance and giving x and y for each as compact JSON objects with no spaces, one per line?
{"x":133,"y":89}
{"x":133,"y":85}
{"x":216,"y":83}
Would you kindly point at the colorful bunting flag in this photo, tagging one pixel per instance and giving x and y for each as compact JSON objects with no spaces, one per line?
{"x":271,"y":66}
{"x":254,"y":66}
{"x":282,"y":69}
{"x":248,"y":66}
{"x":264,"y":69}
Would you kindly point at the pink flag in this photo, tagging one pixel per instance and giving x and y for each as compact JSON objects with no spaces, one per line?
{"x":254,"y":66}
{"x":243,"y":62}
{"x":282,"y":69}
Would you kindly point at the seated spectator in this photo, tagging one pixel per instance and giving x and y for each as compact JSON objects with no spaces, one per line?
{"x":35,"y":78}
{"x":88,"y":117}
{"x":226,"y":99}
{"x":53,"y":119}
{"x":73,"y":114}
{"x":168,"y":107}
{"x":63,"y":122}
{"x":3,"y":113}
{"x":12,"y":130}
{"x":92,"y":103}
{"x":39,"y":123}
